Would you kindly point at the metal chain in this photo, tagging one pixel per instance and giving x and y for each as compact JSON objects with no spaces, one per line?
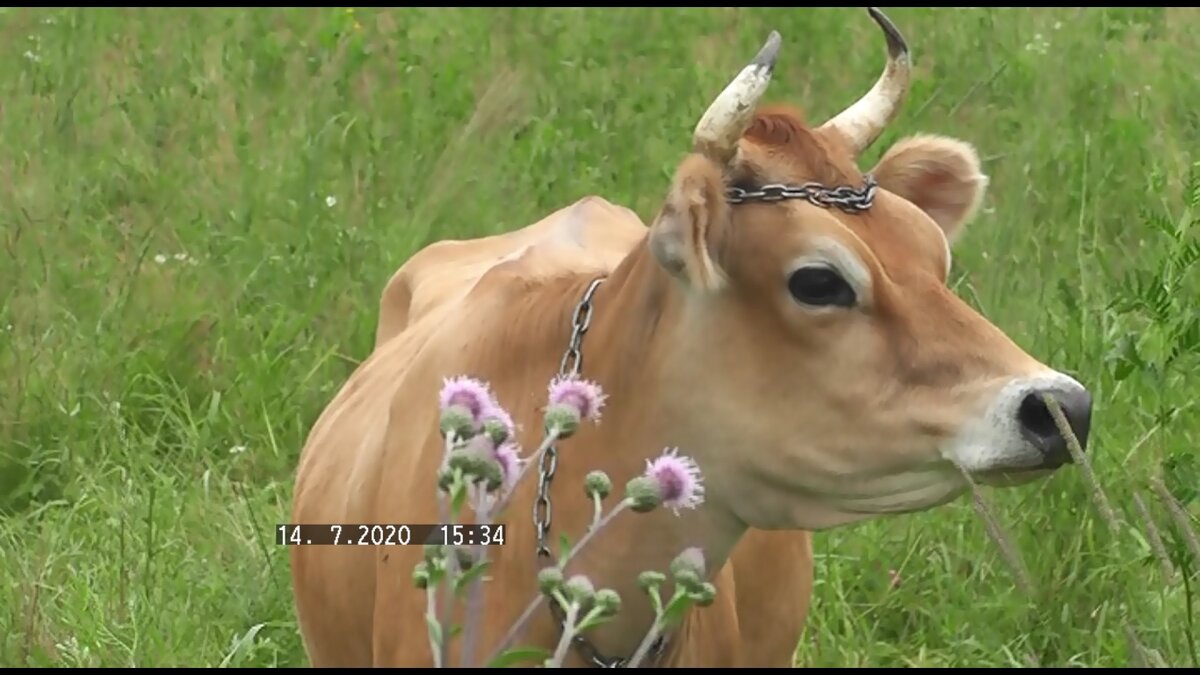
{"x":572,"y":364}
{"x":844,"y":197}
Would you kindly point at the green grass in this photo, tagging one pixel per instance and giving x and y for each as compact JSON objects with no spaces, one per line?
{"x":152,"y":408}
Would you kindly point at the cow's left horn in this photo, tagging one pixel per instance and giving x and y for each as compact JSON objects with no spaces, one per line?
{"x":863,"y":122}
{"x":731,"y":113}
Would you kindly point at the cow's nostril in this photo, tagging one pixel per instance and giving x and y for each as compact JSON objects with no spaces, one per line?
{"x":1039,"y":428}
{"x":1035,"y":417}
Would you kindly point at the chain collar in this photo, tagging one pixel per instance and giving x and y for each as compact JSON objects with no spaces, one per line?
{"x":851,"y":200}
{"x":572,"y":364}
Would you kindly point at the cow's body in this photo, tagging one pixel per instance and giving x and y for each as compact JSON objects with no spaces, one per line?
{"x":804,"y":351}
{"x":438,"y":301}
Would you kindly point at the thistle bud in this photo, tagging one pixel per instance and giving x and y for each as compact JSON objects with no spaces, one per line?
{"x":420,"y":575}
{"x":598,"y":484}
{"x":493,"y":475}
{"x":687,"y":578}
{"x":691,"y":559}
{"x":550,"y":579}
{"x":580,"y":589}
{"x":563,"y":419}
{"x":608,"y":601}
{"x":457,"y":420}
{"x":643,"y":493}
{"x":704,"y":594}
{"x":477,"y":461}
{"x":496,"y":429}
{"x":445,"y":479}
{"x":650,"y":579}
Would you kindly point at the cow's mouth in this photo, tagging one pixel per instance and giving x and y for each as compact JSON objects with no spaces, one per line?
{"x":1012,"y":476}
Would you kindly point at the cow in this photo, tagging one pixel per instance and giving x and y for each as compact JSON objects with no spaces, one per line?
{"x":784,"y":320}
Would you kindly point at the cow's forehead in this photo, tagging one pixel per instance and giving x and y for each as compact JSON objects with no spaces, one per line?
{"x":900,"y":238}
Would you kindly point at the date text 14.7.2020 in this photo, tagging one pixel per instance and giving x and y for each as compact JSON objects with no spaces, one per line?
{"x":389,"y":534}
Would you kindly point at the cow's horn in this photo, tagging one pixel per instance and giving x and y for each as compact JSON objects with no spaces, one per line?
{"x":731,"y":113}
{"x":863,"y":122}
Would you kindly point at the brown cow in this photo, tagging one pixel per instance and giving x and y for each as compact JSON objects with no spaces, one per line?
{"x":800,"y":343}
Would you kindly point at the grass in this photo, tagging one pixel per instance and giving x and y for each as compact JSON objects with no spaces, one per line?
{"x":199,"y":208}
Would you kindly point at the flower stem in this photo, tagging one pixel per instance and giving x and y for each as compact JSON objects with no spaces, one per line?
{"x":644,"y":648}
{"x":591,"y":532}
{"x":442,"y":497}
{"x":591,"y":618}
{"x":568,"y":634}
{"x":656,"y":629}
{"x":536,"y":458}
{"x":597,"y":508}
{"x":452,"y":571}
{"x":439,"y":647}
{"x":474,"y":598}
{"x":514,"y":631}
{"x":431,"y":619}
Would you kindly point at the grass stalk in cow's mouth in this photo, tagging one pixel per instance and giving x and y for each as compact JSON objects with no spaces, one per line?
{"x":1142,"y":654}
{"x":481,"y":469}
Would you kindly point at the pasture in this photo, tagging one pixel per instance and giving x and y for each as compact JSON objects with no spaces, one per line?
{"x":199,"y":209}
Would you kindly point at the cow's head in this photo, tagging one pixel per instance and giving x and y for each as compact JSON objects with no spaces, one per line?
{"x":829,"y":372}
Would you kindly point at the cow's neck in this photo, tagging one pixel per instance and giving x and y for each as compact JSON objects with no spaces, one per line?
{"x":625,"y":351}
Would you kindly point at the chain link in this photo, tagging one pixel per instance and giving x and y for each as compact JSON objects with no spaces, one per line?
{"x":852,"y":200}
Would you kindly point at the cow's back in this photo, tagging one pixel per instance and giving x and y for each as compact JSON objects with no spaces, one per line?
{"x":591,"y":235}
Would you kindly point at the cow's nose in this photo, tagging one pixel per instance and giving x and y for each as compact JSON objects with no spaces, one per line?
{"x":1038,"y":427}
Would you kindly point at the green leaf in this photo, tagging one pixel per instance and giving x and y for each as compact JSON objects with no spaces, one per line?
{"x":518,"y":654}
{"x":465,"y":579}
{"x":1193,"y":186}
{"x":1123,"y":369}
{"x":564,"y":546}
{"x":242,"y":645}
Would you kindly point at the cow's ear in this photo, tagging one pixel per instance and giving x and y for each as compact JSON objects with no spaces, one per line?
{"x":692,"y":224}
{"x":941,"y":176}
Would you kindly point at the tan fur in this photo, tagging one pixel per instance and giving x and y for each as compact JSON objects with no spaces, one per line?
{"x":792,"y":413}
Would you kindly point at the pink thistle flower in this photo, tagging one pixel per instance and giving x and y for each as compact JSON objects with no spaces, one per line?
{"x":471,"y":394}
{"x":679,"y":480}
{"x":509,"y":459}
{"x":585,"y":397}
{"x":494,"y":413}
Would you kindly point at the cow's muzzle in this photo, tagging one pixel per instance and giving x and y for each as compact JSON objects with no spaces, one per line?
{"x":1038,"y":425}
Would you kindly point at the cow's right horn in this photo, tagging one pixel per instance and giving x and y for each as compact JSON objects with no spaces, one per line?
{"x":865,"y":119}
{"x":731,"y":113}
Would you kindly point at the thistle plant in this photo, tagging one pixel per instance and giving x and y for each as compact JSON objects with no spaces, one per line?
{"x":481,"y":469}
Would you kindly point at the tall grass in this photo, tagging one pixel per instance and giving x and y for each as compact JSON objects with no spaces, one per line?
{"x":199,"y":208}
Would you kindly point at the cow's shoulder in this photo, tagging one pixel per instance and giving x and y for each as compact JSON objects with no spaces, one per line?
{"x":591,"y":235}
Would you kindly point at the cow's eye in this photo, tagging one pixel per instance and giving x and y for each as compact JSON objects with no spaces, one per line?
{"x":820,"y":286}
